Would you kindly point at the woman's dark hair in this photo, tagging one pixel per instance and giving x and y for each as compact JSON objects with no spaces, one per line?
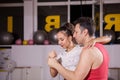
{"x":86,"y":23}
{"x":68,"y":28}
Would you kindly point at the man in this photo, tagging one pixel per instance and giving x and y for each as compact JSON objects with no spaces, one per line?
{"x":94,"y":61}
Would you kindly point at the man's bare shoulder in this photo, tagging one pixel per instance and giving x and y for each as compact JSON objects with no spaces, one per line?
{"x":87,"y":55}
{"x":89,"y":51}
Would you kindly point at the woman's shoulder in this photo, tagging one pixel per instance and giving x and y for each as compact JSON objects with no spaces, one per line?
{"x":78,"y":47}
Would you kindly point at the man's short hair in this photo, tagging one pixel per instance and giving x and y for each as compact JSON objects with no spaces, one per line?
{"x":86,"y":23}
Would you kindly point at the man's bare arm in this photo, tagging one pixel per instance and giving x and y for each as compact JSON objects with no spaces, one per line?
{"x":80,"y":72}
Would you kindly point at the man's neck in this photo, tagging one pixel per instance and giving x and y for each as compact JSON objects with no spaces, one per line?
{"x":87,"y":39}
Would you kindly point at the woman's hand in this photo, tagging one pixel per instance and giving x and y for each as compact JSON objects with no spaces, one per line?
{"x":52,"y":62}
{"x":52,"y":54}
{"x":91,"y":43}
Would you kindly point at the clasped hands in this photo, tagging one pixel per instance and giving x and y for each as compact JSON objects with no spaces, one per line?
{"x":52,"y":61}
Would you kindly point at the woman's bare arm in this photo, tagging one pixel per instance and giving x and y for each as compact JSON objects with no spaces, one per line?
{"x":53,"y":72}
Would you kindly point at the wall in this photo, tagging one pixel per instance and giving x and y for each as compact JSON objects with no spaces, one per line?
{"x":32,"y":61}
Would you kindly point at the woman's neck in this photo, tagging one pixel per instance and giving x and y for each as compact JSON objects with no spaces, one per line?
{"x":70,"y":47}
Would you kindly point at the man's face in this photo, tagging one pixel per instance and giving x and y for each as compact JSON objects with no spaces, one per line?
{"x":78,"y":34}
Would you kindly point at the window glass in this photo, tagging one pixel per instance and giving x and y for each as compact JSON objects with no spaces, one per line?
{"x":51,"y":17}
{"x":11,"y":1}
{"x":97,"y":20}
{"x":51,"y":0}
{"x":12,"y":18}
{"x":111,"y":15}
{"x":81,"y":0}
{"x":80,"y":11}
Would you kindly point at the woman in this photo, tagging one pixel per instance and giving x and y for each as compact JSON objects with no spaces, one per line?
{"x":70,"y":57}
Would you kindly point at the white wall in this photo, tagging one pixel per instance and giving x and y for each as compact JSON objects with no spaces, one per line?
{"x":36,"y":56}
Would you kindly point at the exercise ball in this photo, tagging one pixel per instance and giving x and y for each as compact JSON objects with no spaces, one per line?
{"x":30,"y":42}
{"x":6,"y":38}
{"x":109,"y":33}
{"x":52,"y":37}
{"x":118,"y":37}
{"x":18,"y":42}
{"x":25,"y":42}
{"x":46,"y":42}
{"x":39,"y":37}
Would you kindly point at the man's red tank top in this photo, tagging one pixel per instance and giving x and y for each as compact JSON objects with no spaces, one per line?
{"x":101,"y":73}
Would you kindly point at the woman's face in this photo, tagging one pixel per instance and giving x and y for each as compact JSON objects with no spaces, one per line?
{"x":63,"y":39}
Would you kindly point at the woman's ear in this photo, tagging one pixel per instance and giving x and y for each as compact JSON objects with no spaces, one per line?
{"x":70,"y":37}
